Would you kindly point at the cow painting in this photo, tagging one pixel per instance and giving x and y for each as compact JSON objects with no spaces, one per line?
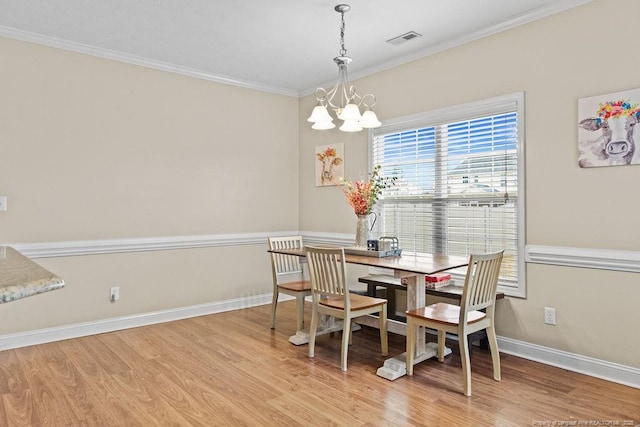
{"x":611,"y":135}
{"x":329,"y":161}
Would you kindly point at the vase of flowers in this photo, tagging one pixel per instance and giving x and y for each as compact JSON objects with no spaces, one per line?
{"x":362,"y":196}
{"x":363,"y":229}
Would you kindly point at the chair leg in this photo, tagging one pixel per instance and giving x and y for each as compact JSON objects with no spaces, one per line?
{"x":274,"y":304}
{"x":442,"y":339}
{"x":351,"y":333}
{"x":384,"y":337}
{"x":411,"y":345}
{"x":466,"y":364}
{"x":300,"y":312}
{"x":346,"y":333}
{"x":495,"y":354}
{"x":312,"y":332}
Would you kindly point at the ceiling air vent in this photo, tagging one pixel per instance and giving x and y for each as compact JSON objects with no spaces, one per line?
{"x":396,"y":41}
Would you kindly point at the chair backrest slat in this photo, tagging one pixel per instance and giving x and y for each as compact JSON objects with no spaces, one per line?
{"x":327,"y":271}
{"x":481,"y":282}
{"x":285,"y":264}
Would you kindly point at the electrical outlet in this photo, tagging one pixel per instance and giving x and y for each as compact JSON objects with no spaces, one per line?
{"x":115,"y":293}
{"x":3,"y":203}
{"x":549,"y":316}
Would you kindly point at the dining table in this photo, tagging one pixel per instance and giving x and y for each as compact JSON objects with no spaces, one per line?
{"x":412,"y":269}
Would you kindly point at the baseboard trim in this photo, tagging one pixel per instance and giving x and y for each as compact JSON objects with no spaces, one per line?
{"x":609,"y":371}
{"x":42,"y":336}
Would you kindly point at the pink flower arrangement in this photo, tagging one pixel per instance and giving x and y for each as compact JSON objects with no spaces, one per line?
{"x":362,"y":195}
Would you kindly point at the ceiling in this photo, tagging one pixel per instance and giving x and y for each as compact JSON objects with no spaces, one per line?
{"x":281,"y":46}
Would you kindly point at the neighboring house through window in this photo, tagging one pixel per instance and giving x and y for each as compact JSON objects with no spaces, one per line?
{"x":460,"y":186}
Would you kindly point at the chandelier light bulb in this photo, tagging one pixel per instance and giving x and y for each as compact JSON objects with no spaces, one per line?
{"x":324,"y":125}
{"x":351,"y":126}
{"x":319,"y":114}
{"x":369,"y":120}
{"x":350,"y":112}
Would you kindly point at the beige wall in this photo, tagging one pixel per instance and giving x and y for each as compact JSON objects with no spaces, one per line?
{"x":149,"y":282}
{"x":555,"y":61}
{"x":96,"y":149}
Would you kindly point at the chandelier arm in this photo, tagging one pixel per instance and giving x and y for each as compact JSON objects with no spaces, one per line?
{"x":368,"y":104}
{"x":321,"y":94}
{"x":329,"y":95}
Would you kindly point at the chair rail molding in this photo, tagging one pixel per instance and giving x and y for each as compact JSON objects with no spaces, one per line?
{"x":602,"y":259}
{"x":334,"y":239}
{"x":143,"y":244}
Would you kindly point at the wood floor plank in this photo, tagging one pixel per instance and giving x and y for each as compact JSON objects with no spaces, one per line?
{"x":50,"y":404}
{"x":231,"y":369}
{"x":73,"y":386}
{"x":12,"y":379}
{"x":120,"y":409}
{"x":18,"y":409}
{"x":108,"y":360}
{"x":155,"y":377}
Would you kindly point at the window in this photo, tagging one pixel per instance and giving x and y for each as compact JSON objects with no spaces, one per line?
{"x":460,"y":187}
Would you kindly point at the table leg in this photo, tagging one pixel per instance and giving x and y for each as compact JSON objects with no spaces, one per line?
{"x":396,"y":367}
{"x":326,"y":325}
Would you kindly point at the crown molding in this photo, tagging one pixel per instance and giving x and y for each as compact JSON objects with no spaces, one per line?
{"x":127,"y":58}
{"x":525,"y":18}
{"x":530,"y":16}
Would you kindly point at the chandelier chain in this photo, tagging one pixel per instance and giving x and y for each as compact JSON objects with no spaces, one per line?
{"x":343,"y":51}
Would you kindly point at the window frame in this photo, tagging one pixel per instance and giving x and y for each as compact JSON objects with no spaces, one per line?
{"x":467,"y":111}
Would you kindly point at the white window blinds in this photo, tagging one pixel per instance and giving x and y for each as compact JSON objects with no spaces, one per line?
{"x":458,"y":189}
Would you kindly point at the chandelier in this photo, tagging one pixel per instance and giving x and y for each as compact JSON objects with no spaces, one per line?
{"x":343,"y":98}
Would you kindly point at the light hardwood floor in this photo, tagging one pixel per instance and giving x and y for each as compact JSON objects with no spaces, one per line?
{"x":230,"y":369}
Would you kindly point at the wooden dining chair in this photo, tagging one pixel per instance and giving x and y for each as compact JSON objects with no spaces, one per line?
{"x":475,"y":313}
{"x":330,"y":294}
{"x":285,"y":268}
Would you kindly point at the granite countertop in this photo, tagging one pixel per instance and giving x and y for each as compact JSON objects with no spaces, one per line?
{"x":20,"y":277}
